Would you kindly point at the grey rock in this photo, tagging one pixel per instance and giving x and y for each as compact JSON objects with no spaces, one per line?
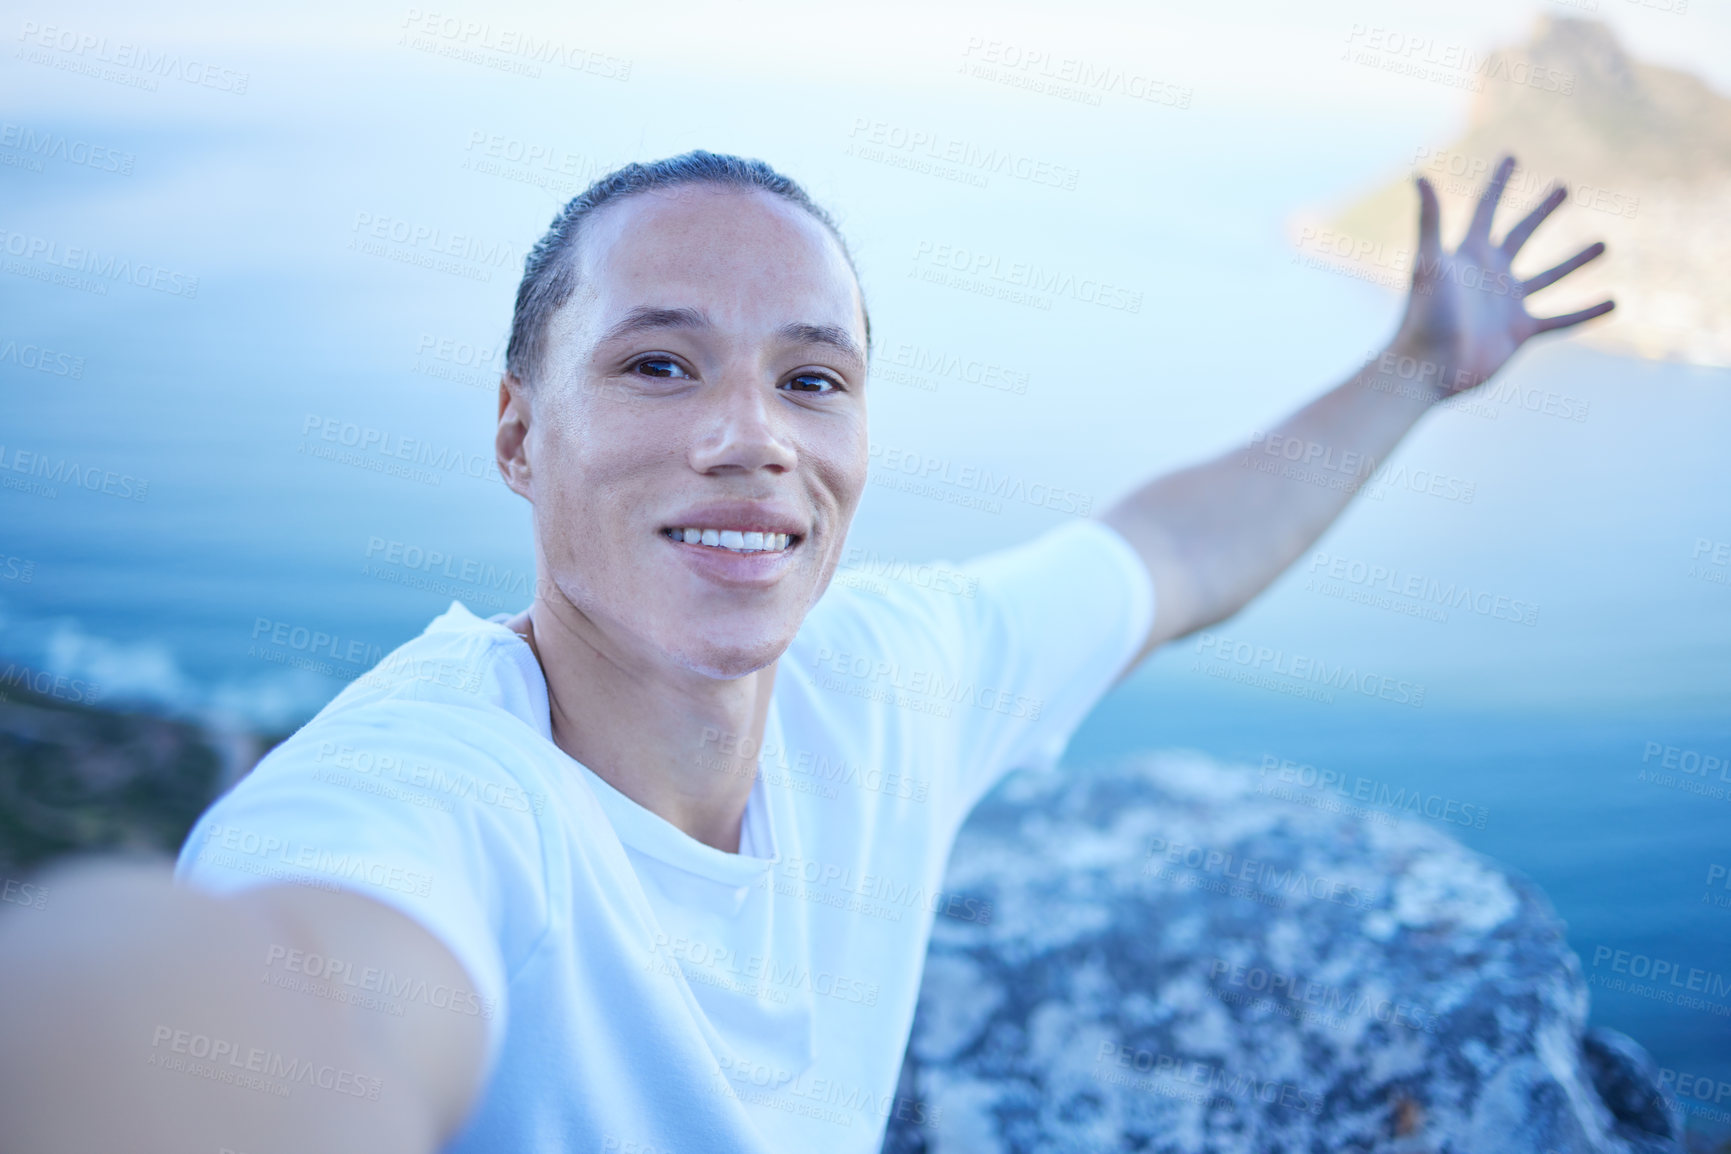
{"x":1175,"y":960}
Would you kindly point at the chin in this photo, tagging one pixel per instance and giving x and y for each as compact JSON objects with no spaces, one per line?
{"x":726,"y":661}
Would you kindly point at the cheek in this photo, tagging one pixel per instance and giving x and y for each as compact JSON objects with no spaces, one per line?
{"x":596,"y":486}
{"x":848,"y":471}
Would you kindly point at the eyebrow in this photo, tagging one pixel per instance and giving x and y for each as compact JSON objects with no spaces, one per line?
{"x":834,"y":336}
{"x":646,"y":318}
{"x":643,"y":318}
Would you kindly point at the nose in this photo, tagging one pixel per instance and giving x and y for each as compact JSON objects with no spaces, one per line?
{"x":743,"y":431}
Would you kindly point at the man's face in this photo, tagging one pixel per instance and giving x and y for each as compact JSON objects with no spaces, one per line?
{"x":707,"y":374}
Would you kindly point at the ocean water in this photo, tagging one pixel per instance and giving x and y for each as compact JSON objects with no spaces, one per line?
{"x":226,"y":524}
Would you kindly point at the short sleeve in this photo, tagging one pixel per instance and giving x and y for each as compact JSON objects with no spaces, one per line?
{"x":390,"y":802}
{"x":1051,"y":624}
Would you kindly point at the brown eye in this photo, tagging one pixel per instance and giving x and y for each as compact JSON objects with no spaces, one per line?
{"x":813,"y":383}
{"x":662,"y":367}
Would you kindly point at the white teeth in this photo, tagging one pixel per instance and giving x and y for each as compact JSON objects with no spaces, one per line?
{"x":738,"y":540}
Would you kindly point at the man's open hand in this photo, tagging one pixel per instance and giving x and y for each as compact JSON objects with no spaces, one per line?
{"x":1467,"y":313}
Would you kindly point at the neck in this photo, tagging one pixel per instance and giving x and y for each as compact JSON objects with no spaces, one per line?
{"x":681,"y":745}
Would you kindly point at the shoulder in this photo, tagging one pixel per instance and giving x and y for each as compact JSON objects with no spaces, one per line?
{"x":877,"y":596}
{"x":459,"y":661}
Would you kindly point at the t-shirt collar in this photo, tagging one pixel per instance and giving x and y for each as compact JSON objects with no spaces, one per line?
{"x":647,"y":832}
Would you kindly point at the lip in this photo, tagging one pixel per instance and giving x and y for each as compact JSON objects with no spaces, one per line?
{"x":751,"y":516}
{"x":725,"y":567}
{"x":744,"y":570}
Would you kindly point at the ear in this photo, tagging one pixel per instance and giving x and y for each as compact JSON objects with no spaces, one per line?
{"x":510,"y":442}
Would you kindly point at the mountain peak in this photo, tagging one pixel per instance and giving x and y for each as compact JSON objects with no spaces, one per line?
{"x":1645,"y":151}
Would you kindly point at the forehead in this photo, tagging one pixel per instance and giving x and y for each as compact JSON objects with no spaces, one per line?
{"x":747,"y":258}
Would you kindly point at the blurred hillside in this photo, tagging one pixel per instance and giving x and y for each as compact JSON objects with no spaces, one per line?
{"x":1645,"y":152}
{"x":75,"y":778}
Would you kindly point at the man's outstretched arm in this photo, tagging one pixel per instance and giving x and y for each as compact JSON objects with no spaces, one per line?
{"x":136,"y":1017}
{"x":1214,"y":535}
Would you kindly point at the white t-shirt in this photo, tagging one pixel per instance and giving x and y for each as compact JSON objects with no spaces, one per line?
{"x":647,"y":992}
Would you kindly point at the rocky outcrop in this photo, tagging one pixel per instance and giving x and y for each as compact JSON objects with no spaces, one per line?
{"x":1176,"y":961}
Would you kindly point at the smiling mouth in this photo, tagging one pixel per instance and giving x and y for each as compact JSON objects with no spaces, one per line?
{"x":736,"y":540}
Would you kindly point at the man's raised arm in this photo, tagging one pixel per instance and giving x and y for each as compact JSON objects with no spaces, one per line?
{"x":1215,"y":535}
{"x":135,"y":1015}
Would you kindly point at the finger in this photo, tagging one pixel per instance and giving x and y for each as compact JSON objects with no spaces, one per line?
{"x":1518,"y":235}
{"x":1552,"y":276}
{"x":1546,"y":324}
{"x":1429,"y":224}
{"x":1481,"y":225}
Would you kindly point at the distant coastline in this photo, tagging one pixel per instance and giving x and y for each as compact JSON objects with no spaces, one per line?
{"x":1645,"y":152}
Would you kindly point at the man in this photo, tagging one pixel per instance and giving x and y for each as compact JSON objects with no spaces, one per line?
{"x":652,"y":865}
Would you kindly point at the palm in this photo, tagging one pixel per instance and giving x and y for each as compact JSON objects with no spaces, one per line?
{"x":1467,"y":312}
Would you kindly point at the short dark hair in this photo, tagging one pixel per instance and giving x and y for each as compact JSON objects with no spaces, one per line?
{"x":550,"y":269}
